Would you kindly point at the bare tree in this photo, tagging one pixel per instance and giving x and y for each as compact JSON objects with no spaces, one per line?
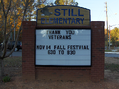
{"x":7,"y":12}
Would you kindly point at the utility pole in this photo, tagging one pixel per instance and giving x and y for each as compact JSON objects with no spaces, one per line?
{"x":109,"y":37}
{"x":107,"y":24}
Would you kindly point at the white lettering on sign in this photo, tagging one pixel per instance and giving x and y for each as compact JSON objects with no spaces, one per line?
{"x":64,"y":47}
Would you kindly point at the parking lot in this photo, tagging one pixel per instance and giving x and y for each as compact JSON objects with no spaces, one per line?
{"x":15,"y":53}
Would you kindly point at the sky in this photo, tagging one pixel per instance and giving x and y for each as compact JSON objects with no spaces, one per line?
{"x":98,"y":10}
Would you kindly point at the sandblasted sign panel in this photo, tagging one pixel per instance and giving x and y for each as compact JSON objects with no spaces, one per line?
{"x":63,"y":16}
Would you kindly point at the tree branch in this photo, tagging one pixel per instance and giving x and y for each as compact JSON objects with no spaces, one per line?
{"x":11,"y":29}
{"x":15,"y":43}
{"x":8,"y":7}
{"x":4,"y":34}
{"x":1,"y":25}
{"x":3,"y":7}
{"x":26,"y":5}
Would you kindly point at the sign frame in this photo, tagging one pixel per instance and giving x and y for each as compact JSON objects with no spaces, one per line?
{"x":63,"y":24}
{"x":65,"y":65}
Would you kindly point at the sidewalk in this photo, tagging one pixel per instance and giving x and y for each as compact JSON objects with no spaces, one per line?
{"x":112,"y":52}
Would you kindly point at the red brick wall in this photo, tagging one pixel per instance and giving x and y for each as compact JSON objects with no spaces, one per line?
{"x":28,"y":39}
{"x":95,"y":72}
{"x":97,"y":69}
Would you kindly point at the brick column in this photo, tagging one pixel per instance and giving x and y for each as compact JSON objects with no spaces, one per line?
{"x":28,"y":53}
{"x":98,"y":42}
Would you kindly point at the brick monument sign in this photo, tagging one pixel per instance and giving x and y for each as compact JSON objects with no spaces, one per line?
{"x":63,"y":44}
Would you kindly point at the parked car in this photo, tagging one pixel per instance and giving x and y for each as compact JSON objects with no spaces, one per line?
{"x":1,"y":45}
{"x":12,"y":43}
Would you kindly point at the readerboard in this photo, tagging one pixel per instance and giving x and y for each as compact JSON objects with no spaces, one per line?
{"x":63,"y":16}
{"x":63,"y":47}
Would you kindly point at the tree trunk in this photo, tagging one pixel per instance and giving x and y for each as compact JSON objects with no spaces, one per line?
{"x":1,"y":68}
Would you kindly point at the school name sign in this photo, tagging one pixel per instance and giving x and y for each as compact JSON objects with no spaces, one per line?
{"x":63,"y":47}
{"x":63,"y":15}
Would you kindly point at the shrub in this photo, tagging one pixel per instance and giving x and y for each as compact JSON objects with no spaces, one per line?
{"x":6,"y":79}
